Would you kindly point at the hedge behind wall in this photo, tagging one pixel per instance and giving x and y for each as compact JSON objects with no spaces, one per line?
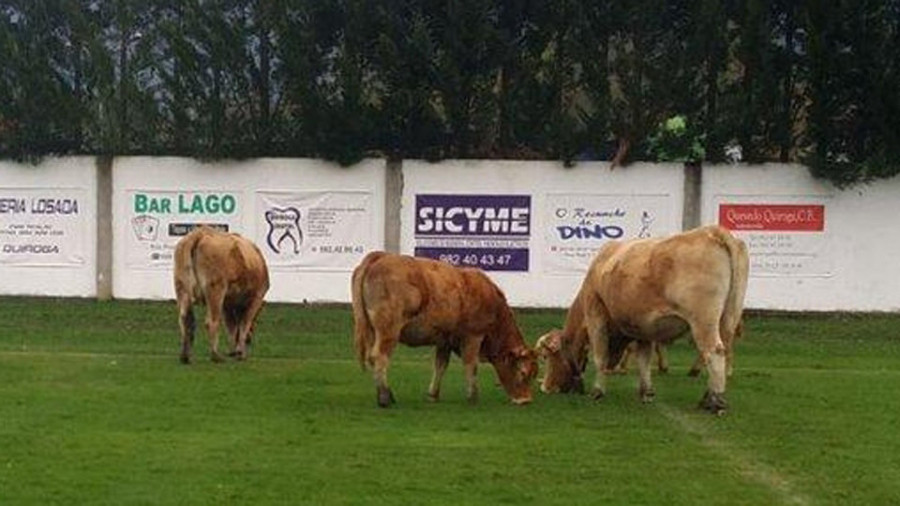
{"x":778,"y":80}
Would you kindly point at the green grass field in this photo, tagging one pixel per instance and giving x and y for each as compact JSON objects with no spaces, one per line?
{"x":96,"y":409}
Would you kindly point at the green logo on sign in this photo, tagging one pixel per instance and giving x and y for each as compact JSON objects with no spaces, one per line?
{"x":186,"y":204}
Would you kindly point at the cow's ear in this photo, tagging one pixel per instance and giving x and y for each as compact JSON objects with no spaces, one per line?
{"x":549,"y":343}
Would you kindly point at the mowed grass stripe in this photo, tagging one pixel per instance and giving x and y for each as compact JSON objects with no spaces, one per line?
{"x":425,"y":362}
{"x":747,"y":465}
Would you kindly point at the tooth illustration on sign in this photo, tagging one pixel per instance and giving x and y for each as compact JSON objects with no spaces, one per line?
{"x":284,"y":226}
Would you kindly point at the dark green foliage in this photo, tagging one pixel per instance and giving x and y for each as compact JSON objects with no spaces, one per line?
{"x":788,"y":81}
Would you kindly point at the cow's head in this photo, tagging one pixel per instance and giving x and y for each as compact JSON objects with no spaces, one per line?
{"x":563,"y":371}
{"x":515,"y":371}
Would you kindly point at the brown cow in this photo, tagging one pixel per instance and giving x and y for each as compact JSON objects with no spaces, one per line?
{"x":228,"y":274}
{"x":423,"y":302}
{"x":653,"y":290}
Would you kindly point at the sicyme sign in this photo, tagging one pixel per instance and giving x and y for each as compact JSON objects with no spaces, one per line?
{"x":491,"y":232}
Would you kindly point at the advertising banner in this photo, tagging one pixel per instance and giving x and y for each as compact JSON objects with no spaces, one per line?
{"x":43,"y":226}
{"x":783,"y":239}
{"x":578,"y":225}
{"x":158,"y":219}
{"x":315,"y":230}
{"x":491,"y":232}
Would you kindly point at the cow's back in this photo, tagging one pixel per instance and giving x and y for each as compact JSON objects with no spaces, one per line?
{"x":651,"y":286}
{"x":233,"y":261}
{"x":431,"y":298}
{"x":207,"y":258}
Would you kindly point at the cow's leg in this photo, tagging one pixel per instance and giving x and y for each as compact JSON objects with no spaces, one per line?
{"x":713,"y":353}
{"x":247,"y":319}
{"x":644,"y":354}
{"x":470,"y":351}
{"x":441,"y":359}
{"x":188,"y":325}
{"x":232,"y":325}
{"x":730,"y":337}
{"x":599,"y":339}
{"x":380,"y":357}
{"x":214,"y":301}
{"x":698,"y":366}
{"x":662,"y":359}
{"x":622,"y":366}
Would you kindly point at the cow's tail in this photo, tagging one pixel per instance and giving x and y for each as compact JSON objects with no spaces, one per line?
{"x":363,"y":333}
{"x":186,"y":273}
{"x":740,"y":268}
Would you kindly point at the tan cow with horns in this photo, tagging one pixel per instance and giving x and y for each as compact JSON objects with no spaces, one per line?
{"x":653,"y":290}
{"x":424,"y":302}
{"x":228,"y":274}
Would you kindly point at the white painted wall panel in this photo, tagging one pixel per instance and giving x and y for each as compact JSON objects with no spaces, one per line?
{"x":606,"y":198}
{"x":852,"y":262}
{"x":48,"y":231}
{"x":143,"y":267}
{"x":841,"y":260}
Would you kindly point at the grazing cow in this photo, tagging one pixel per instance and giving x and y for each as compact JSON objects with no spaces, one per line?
{"x":653,"y":290}
{"x":228,"y":274}
{"x":423,"y":302}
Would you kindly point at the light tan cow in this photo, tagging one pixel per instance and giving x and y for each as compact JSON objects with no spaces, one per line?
{"x":653,"y":290}
{"x":423,"y":302}
{"x":228,"y":274}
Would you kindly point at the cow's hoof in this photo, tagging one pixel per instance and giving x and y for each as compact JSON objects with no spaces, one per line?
{"x":215,"y":357}
{"x":385,"y":397}
{"x":647,"y":395}
{"x":473,"y":399}
{"x":694,"y":373}
{"x":597,"y":394}
{"x":185,"y":359}
{"x":432,"y":397}
{"x":714,"y":403}
{"x":663,"y":370}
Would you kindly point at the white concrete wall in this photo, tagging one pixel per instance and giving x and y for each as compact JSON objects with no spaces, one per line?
{"x":592,"y":186}
{"x":841,"y":260}
{"x":66,"y":264}
{"x":850,"y":265}
{"x":136,"y":276}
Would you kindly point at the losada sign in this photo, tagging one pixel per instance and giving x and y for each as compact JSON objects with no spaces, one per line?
{"x":773,"y":217}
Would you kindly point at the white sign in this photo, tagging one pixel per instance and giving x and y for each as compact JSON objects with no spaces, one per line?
{"x":158,"y":219}
{"x":785,"y":235}
{"x":578,"y":225}
{"x":314,"y":230}
{"x":43,"y":226}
